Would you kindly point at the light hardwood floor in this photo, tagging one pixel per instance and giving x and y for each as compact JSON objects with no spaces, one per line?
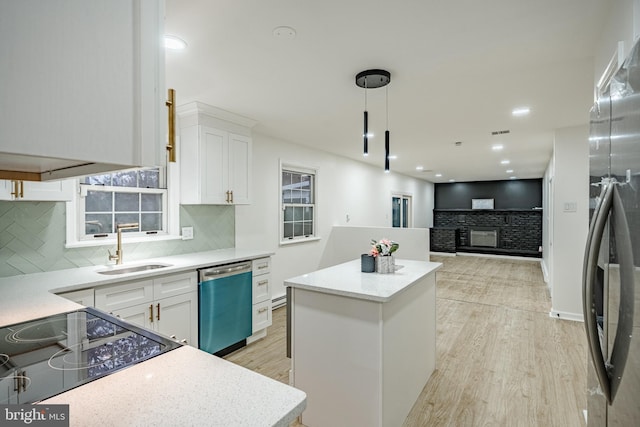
{"x":501,"y":360}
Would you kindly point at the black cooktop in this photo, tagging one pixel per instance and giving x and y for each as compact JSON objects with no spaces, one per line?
{"x":43,"y":357}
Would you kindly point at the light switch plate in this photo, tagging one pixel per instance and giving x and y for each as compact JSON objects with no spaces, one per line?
{"x":187,"y":233}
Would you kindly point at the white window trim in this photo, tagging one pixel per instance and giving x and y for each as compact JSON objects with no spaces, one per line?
{"x":304,"y":169}
{"x":172,"y":210}
{"x":403,"y":194}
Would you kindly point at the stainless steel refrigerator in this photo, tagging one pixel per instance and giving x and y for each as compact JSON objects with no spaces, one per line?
{"x":611,"y":278}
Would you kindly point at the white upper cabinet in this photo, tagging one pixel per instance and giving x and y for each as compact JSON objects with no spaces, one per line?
{"x":83,"y":86}
{"x":215,"y":156}
{"x":28,"y":191}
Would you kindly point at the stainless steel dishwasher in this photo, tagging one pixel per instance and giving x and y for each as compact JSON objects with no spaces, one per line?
{"x":224,"y":301}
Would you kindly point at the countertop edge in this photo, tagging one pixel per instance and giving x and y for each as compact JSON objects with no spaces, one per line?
{"x":299,"y":282}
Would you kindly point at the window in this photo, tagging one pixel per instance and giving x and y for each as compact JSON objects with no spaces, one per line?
{"x":298,"y":219}
{"x":401,"y":211}
{"x":132,"y":196}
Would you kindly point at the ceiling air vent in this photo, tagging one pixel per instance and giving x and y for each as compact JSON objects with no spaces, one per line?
{"x":500,"y":132}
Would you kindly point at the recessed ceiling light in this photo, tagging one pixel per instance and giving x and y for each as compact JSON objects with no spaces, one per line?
{"x":505,"y":162}
{"x":509,"y":170}
{"x":174,"y":42}
{"x":520,"y":111}
{"x":393,"y":157}
{"x":497,"y":147}
{"x":438,"y":175}
{"x":452,"y":180}
{"x":419,"y":168}
{"x":513,"y":177}
{"x":284,"y":32}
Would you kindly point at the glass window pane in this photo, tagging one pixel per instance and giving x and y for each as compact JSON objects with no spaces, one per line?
{"x":297,"y":215}
{"x":125,"y":179}
{"x":127,"y":202}
{"x":288,"y":230}
{"x":98,"y":223}
{"x":151,"y":221}
{"x":307,"y":213}
{"x":308,"y":228}
{"x":395,"y":204}
{"x":149,"y":178}
{"x":98,"y":179}
{"x":151,"y":202}
{"x":126,"y":218}
{"x":297,"y":229}
{"x":295,"y":196}
{"x":98,"y":201}
{"x":288,"y":213}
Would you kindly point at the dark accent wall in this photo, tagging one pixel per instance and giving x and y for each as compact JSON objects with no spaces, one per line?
{"x":509,"y":194}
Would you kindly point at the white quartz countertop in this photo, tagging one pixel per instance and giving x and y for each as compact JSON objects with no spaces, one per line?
{"x":185,"y":386}
{"x":30,"y":296}
{"x":347,"y":279}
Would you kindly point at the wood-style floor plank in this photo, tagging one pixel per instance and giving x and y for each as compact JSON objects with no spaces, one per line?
{"x":501,"y":360}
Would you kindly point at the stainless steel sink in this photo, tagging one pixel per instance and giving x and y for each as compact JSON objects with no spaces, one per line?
{"x":133,"y":269}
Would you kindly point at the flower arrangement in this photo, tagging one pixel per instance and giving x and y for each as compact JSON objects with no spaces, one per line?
{"x":384,"y":247}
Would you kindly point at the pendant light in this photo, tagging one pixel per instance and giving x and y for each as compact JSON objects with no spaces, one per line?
{"x":386,"y":133}
{"x":373,"y":79}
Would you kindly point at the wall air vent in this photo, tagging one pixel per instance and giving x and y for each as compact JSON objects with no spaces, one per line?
{"x":500,"y":132}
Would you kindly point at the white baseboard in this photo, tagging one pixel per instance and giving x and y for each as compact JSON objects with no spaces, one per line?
{"x":442,"y":253}
{"x":520,"y":258}
{"x":545,"y":273}
{"x":576,"y":317}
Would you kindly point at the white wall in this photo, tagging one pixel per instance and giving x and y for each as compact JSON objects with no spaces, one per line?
{"x":569,"y":197}
{"x":547,"y":223}
{"x":344,"y":187}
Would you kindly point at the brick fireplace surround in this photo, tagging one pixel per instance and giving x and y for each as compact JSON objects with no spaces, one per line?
{"x":519,"y":230}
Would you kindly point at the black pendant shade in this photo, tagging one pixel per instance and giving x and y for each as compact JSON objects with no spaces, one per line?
{"x":386,"y":151}
{"x":373,"y":79}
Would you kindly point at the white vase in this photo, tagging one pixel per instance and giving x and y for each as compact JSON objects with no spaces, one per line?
{"x":385,"y":264}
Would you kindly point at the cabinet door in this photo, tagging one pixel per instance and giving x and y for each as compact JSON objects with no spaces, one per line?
{"x":86,"y":80}
{"x":141,"y":315}
{"x":178,"y":315}
{"x":240,"y":167}
{"x":214,"y":167}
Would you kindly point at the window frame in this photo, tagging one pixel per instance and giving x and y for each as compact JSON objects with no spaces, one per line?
{"x":408,"y":213}
{"x":75,"y":212}
{"x":295,"y":168}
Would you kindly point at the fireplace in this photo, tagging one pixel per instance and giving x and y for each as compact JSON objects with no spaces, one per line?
{"x":483,"y":237}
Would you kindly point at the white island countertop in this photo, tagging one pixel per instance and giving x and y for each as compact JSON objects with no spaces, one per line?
{"x":185,"y":386}
{"x":348,"y":280}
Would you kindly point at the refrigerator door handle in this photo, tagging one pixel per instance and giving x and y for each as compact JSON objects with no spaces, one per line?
{"x":624,"y":329}
{"x":594,"y":238}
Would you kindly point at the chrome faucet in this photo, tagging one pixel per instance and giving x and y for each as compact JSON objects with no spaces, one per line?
{"x":119,"y":227}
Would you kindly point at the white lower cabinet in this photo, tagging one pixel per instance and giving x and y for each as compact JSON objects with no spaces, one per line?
{"x":84,"y":297}
{"x":166,"y":304}
{"x":261,"y":317}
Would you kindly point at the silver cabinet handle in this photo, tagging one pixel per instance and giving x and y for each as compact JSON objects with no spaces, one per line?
{"x":596,"y":231}
{"x":262,"y":310}
{"x":263,"y":282}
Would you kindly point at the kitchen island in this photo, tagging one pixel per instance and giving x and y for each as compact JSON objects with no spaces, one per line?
{"x":363,"y":345}
{"x":184,"y":386}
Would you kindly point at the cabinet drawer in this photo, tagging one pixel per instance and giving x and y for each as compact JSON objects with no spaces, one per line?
{"x":261,"y":266}
{"x":261,"y":288}
{"x":84,"y":296}
{"x":110,"y":298}
{"x":175,"y":284}
{"x":261,"y":316}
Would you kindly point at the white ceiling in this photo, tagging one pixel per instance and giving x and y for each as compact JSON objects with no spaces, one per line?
{"x":457,"y":67}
